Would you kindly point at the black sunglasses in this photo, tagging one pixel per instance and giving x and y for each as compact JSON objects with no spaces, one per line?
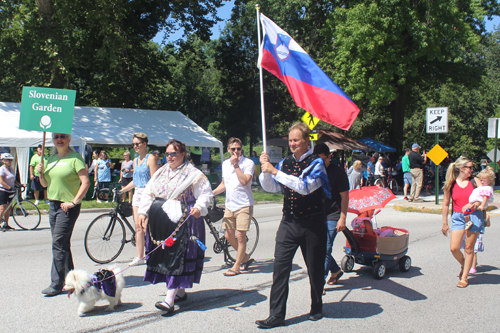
{"x":55,"y":137}
{"x":136,"y":144}
{"x":469,"y":167}
{"x":171,"y":154}
{"x":233,"y":149}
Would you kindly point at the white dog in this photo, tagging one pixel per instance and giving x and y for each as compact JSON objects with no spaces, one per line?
{"x":88,"y":289}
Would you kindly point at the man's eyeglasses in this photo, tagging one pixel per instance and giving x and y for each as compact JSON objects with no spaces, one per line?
{"x":171,"y":154}
{"x":55,"y":137}
{"x":233,"y":149}
{"x":136,"y":144}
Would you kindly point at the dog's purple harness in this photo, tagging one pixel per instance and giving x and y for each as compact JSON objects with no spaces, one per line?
{"x":103,"y":280}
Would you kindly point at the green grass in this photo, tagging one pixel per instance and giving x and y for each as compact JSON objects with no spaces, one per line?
{"x":417,"y":210}
{"x":258,"y":197}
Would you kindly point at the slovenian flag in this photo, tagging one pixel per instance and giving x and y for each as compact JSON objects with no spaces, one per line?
{"x":309,"y":86}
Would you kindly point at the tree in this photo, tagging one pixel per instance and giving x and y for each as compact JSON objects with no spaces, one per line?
{"x":99,"y":48}
{"x":193,"y":87}
{"x":383,"y":49}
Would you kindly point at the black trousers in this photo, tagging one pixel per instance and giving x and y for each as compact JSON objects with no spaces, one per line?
{"x":310,"y":235}
{"x":61,"y":227}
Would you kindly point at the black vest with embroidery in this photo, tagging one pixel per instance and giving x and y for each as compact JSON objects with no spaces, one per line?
{"x":296,"y":204}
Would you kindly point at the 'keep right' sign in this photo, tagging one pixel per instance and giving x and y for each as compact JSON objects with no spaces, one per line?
{"x":437,"y":120}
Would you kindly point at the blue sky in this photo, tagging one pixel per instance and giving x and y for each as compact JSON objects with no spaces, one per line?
{"x":490,"y":24}
{"x":225,"y":13}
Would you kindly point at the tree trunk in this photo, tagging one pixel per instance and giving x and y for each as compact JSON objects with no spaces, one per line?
{"x":398,"y":108}
{"x":46,"y":8}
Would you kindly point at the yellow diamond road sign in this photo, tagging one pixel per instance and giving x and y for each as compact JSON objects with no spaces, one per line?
{"x":310,"y":120}
{"x":437,"y":154}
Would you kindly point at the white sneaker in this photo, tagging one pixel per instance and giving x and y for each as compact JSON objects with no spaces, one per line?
{"x":37,"y":202}
{"x":99,"y":201}
{"x":106,"y":201}
{"x":137,"y":261}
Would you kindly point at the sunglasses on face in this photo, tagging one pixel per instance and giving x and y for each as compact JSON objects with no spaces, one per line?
{"x":233,"y":149}
{"x":174,"y":154}
{"x":136,"y":144}
{"x":56,"y":137}
{"x":469,"y":167}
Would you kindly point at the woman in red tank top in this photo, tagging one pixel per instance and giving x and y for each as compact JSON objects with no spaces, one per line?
{"x":457,"y":189}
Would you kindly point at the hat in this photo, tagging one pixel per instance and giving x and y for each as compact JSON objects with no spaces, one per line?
{"x":372,"y":158}
{"x":156,"y":152}
{"x":39,"y":146}
{"x":413,"y":146}
{"x":7,"y":156}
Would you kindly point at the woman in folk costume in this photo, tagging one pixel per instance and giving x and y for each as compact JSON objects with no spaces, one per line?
{"x":177,"y":191}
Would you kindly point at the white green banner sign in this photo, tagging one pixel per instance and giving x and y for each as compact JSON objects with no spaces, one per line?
{"x":47,"y":110}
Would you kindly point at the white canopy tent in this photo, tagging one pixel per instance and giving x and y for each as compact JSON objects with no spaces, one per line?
{"x":104,"y":127}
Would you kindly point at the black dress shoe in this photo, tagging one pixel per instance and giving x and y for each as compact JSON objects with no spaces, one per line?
{"x":51,"y":291}
{"x":271,"y":322}
{"x":315,"y":316}
{"x":164,"y":307}
{"x":181,"y":299}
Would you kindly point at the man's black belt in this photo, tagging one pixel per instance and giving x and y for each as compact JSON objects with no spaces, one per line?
{"x":293,"y":218}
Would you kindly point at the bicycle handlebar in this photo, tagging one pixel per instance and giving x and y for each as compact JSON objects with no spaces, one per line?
{"x":20,"y":187}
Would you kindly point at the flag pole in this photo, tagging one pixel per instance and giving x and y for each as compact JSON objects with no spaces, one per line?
{"x":262,"y":111}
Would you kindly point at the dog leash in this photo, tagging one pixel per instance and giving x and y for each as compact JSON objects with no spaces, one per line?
{"x":156,"y":248}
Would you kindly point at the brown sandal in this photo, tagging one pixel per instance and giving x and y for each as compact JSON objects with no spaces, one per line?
{"x":463,"y":283}
{"x":334,"y":278}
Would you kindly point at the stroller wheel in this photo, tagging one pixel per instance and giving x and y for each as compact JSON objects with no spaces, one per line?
{"x":404,"y":264}
{"x":379,"y":270}
{"x":347,"y":263}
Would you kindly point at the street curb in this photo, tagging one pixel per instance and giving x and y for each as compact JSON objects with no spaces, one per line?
{"x":417,"y":209}
{"x":85,"y":210}
{"x":429,"y":210}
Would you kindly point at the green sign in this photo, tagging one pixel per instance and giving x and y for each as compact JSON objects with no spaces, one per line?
{"x":47,"y":110}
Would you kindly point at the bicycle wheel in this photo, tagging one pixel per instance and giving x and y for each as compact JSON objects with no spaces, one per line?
{"x":105,"y":238}
{"x":26,"y":215}
{"x":379,"y":182}
{"x":393,"y":185}
{"x":252,"y":240}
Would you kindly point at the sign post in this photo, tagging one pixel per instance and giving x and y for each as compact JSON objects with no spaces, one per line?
{"x":47,"y":110}
{"x":493,"y":133}
{"x":437,"y":122}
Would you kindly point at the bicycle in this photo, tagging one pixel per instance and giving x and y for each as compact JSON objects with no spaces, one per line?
{"x":101,"y":194}
{"x":221,"y":244}
{"x":106,"y":236}
{"x":25,"y":213}
{"x":393,"y":184}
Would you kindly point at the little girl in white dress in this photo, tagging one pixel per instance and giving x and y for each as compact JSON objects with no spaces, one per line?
{"x":482,"y":194}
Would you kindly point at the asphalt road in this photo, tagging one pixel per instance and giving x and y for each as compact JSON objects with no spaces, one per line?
{"x":424,"y":299}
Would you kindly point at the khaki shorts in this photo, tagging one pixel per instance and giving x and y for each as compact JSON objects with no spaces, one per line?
{"x":239,"y":220}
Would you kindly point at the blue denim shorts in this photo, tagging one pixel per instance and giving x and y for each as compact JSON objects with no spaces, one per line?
{"x":407,"y":178}
{"x":458,"y":221}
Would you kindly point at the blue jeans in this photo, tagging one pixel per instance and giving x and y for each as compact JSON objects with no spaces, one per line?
{"x":330,"y":263}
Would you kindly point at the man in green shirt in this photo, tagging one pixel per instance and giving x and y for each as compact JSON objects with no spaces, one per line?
{"x":406,"y":172}
{"x":34,"y":175}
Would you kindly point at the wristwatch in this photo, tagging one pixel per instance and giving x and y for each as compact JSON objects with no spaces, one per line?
{"x":236,"y":166}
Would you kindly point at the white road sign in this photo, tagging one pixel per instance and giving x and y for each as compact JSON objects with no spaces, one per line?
{"x":491,"y":127}
{"x":437,"y":120}
{"x":491,"y":154}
